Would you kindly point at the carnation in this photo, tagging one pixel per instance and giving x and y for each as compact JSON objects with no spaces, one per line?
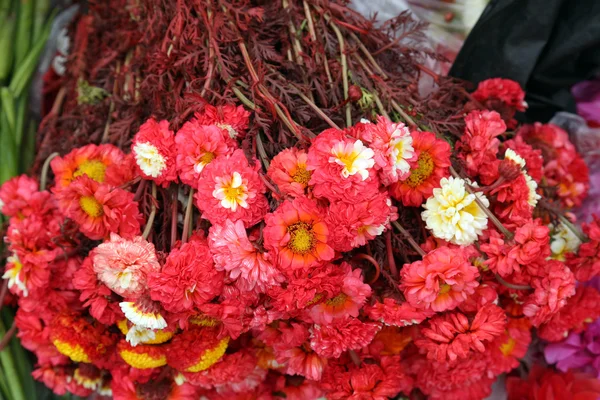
{"x":332,"y":340}
{"x":232,"y":120}
{"x":15,"y":194}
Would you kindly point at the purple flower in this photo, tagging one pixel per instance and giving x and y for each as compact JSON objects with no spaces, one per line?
{"x":580,"y":351}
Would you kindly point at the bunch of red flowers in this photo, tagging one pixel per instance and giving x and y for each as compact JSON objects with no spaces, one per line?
{"x":280,"y":277}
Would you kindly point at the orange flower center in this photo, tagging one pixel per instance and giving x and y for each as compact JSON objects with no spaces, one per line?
{"x":337,"y":301}
{"x":315,"y":299}
{"x":302,"y":238}
{"x":206,"y":158}
{"x":444,"y":288}
{"x":508,"y":347}
{"x":302,"y":176}
{"x":91,"y":206}
{"x":423,"y":171}
{"x":94,"y":169}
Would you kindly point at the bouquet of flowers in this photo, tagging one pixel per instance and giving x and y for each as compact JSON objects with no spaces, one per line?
{"x":225,"y":250}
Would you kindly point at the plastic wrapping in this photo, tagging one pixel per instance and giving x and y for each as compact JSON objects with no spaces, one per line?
{"x":545,"y":45}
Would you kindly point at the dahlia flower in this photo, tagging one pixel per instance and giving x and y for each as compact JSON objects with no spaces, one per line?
{"x":188,"y":279}
{"x":91,"y":160}
{"x":155,"y":152}
{"x":123,"y":265}
{"x":100,"y":209}
{"x":331,"y":340}
{"x":297,"y":235}
{"x":394,"y":313}
{"x":394,"y":153}
{"x":232,"y":120}
{"x":232,"y":189}
{"x":15,"y":194}
{"x":354,"y":224}
{"x":433,"y":160}
{"x":197,"y":146}
{"x":342,"y":168}
{"x":441,"y":281}
{"x":288,"y":171}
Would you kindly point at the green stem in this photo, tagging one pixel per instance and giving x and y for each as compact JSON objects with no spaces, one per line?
{"x":10,"y":371}
{"x":150,"y":221}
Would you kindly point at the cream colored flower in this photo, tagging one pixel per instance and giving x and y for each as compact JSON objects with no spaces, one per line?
{"x":452,"y":213}
{"x":514,"y":157}
{"x":138,"y":334}
{"x":563,"y":241}
{"x":146,"y":319}
{"x":355,"y":157}
{"x":149,"y":159}
{"x":533,"y":195}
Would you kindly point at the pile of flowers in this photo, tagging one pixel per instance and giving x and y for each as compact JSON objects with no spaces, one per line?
{"x":364,"y":263}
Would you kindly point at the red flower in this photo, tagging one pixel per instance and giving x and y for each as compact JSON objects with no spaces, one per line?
{"x":297,"y":235}
{"x":433,"y":160}
{"x":15,"y":194}
{"x":197,"y":146}
{"x":155,"y":152}
{"x":586,"y":263}
{"x":232,"y":120}
{"x":502,"y":95}
{"x":478,"y":147}
{"x":288,"y":171}
{"x":508,"y":348}
{"x":543,"y":384}
{"x":196,"y":349}
{"x":100,"y":209}
{"x":232,"y":189}
{"x":391,"y":312}
{"x":532,"y":243}
{"x":441,"y":281}
{"x":188,"y":279}
{"x":451,"y":335}
{"x":333,"y":339}
{"x":534,"y":161}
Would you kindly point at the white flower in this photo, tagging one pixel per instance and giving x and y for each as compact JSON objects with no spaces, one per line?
{"x":401,"y":149}
{"x":86,"y":381}
{"x":149,"y":159}
{"x":228,"y":128}
{"x":12,"y":274}
{"x":514,"y":157}
{"x":146,"y":319}
{"x":138,"y":334}
{"x":232,"y":191}
{"x":179,"y":378}
{"x":452,"y":213}
{"x":355,"y":157}
{"x":563,"y":241}
{"x":533,"y":195}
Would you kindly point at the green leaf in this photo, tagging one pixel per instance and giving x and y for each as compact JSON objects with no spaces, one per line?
{"x":8,"y":161}
{"x":8,"y":106}
{"x":23,"y":34}
{"x":9,"y":369}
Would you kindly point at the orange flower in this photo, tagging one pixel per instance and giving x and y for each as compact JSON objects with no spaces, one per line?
{"x":90,"y":160}
{"x":297,"y":234}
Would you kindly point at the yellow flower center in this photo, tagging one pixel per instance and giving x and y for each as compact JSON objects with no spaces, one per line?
{"x":423,"y":171}
{"x":508,"y":347}
{"x":142,"y":360}
{"x":302,"y":176}
{"x":94,"y":169}
{"x":210,"y":357}
{"x":91,"y":206}
{"x":74,"y":351}
{"x":232,"y":191}
{"x":315,"y":299}
{"x":204,"y":320}
{"x":302,"y":239}
{"x":444,"y":288}
{"x":337,"y":301}
{"x":207,"y":157}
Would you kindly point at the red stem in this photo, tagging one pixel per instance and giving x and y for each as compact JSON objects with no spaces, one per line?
{"x":390,"y":253}
{"x":174,"y":217}
{"x":8,"y":335}
{"x":373,"y":261}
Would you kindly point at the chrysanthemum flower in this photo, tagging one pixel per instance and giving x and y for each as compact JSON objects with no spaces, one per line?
{"x":348,"y":299}
{"x":297,"y":235}
{"x":155,"y":152}
{"x":233,"y":120}
{"x":331,"y":340}
{"x":433,"y":160}
{"x":563,"y":241}
{"x":451,"y":335}
{"x":554,"y":285}
{"x":143,"y":356}
{"x":393,"y":313}
{"x":13,"y":272}
{"x":143,"y":312}
{"x":91,"y":160}
{"x":122,"y":265}
{"x":452,"y":213}
{"x":188,"y":279}
{"x":15,"y":194}
{"x":394,"y":153}
{"x":288,"y":171}
{"x":342,"y":167}
{"x":478,"y":147}
{"x":380,"y":380}
{"x":232,"y":189}
{"x":581,"y":309}
{"x":100,"y":209}
{"x":233,"y":252}
{"x":441,"y":281}
{"x":354,"y":224}
{"x":196,"y":349}
{"x":135,"y":334}
{"x":533,"y":157}
{"x":197,"y":146}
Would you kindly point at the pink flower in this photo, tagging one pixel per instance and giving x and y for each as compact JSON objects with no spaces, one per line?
{"x":342,"y":168}
{"x":303,"y":362}
{"x":231,"y":189}
{"x":123,"y":265}
{"x":478,"y":147}
{"x":394,"y":313}
{"x":15,"y":194}
{"x":232,"y":120}
{"x":333,"y":339}
{"x":354,"y":224}
{"x":234,"y":253}
{"x":499,"y":258}
{"x":155,"y":152}
{"x":288,"y":171}
{"x":197,"y":146}
{"x":441,"y":281}
{"x":506,"y":90}
{"x":534,"y":161}
{"x":533,"y":242}
{"x":188,"y":279}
